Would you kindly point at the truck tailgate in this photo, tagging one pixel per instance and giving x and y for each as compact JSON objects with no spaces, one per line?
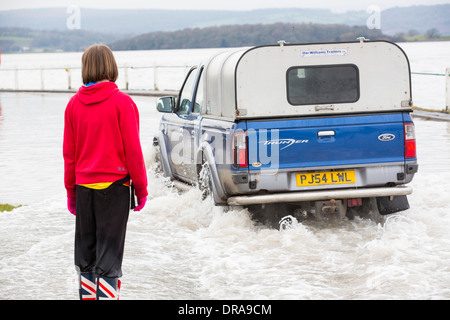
{"x":332,"y":141}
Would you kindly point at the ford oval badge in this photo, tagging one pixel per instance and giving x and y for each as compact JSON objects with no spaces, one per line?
{"x":386,"y":137}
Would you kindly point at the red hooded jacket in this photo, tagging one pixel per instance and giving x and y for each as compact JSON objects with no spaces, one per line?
{"x":101,"y":139}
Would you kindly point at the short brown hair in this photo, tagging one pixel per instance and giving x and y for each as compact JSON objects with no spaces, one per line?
{"x":98,"y":64}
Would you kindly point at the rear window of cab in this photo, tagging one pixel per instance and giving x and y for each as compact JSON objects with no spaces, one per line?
{"x":324,"y":84}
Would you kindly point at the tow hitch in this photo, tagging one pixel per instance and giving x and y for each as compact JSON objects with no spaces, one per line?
{"x":330,"y":208}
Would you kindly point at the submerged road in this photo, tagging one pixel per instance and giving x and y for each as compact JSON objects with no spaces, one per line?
{"x":180,"y":247}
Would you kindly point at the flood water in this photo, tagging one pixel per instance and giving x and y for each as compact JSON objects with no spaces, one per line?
{"x":179,"y":247}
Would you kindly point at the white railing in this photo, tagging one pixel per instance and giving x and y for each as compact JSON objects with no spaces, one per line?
{"x":173,"y":77}
{"x":447,"y":85}
{"x":152,"y":79}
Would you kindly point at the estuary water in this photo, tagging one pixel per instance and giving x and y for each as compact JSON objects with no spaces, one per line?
{"x":179,"y":247}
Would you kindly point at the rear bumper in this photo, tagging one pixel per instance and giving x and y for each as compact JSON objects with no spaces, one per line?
{"x":319,"y":195}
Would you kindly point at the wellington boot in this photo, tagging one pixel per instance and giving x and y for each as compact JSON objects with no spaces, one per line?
{"x":87,"y":286}
{"x":108,"y":288}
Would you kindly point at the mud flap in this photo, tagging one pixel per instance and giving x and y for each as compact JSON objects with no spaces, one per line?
{"x":388,"y":205}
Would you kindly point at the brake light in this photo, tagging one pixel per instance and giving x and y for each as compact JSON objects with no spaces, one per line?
{"x":410,"y":141}
{"x":239,"y":150}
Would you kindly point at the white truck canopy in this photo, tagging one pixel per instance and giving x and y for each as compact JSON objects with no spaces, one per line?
{"x":307,"y":79}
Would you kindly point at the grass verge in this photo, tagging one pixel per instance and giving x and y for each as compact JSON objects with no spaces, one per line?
{"x":7,"y":207}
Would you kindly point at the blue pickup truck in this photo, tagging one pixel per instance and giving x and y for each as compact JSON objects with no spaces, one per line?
{"x":323,"y":127}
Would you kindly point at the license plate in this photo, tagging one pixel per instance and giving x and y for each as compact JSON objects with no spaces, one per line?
{"x":325,"y":178}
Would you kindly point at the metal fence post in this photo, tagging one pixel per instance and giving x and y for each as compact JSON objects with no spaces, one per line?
{"x":155,"y":77}
{"x":16,"y":77}
{"x":69,"y":78}
{"x":125,"y":72}
{"x":42,"y":78}
{"x":447,"y":90}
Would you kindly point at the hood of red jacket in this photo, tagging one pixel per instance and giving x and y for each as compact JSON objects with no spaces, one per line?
{"x":97,"y":93}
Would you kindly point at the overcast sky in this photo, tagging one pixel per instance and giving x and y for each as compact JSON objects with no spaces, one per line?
{"x":334,"y":5}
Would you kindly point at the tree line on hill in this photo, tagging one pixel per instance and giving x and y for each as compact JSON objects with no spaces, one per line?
{"x":249,"y":35}
{"x":24,"y":39}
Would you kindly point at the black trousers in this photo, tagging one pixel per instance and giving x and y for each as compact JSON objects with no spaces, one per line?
{"x":100,"y":228}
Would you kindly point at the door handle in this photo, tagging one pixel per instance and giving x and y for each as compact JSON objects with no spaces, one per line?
{"x":327,"y":133}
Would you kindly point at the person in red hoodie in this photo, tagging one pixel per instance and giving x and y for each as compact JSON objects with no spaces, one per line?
{"x":102,"y":158}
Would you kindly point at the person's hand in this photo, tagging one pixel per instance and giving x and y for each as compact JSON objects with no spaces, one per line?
{"x":141,"y":203}
{"x":71,"y":205}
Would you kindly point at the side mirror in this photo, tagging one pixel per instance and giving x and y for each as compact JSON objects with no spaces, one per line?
{"x":166,"y":104}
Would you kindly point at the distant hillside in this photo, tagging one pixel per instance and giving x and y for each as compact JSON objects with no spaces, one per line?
{"x":46,"y":29}
{"x":24,"y":39}
{"x":418,"y":18}
{"x":394,"y":20}
{"x":247,"y":35}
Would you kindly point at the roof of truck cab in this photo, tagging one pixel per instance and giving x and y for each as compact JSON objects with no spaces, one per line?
{"x":250,"y":82}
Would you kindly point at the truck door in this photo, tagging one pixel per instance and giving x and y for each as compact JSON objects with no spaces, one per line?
{"x":192,"y":130}
{"x":179,"y":155}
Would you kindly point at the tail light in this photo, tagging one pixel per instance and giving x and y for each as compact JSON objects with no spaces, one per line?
{"x":239,"y":150}
{"x":354,"y":202}
{"x":410,"y":141}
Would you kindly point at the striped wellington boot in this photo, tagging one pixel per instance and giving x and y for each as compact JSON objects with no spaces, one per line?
{"x":108,"y":288}
{"x":87,"y":287}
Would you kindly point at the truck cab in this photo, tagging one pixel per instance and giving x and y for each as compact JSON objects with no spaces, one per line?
{"x":325,"y":127}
